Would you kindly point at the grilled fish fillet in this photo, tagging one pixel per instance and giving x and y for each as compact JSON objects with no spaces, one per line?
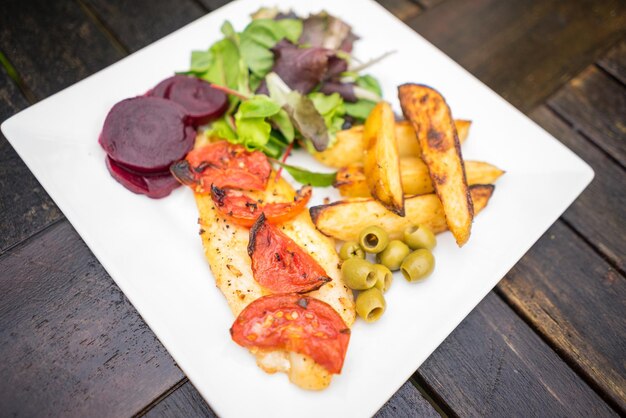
{"x":225,"y":247}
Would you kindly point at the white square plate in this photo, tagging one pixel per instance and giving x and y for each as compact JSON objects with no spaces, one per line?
{"x":152,"y":250}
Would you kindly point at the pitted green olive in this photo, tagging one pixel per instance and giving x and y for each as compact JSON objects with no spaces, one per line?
{"x":384,"y":277}
{"x":358,"y":274}
{"x":370,"y":304}
{"x":418,"y":265}
{"x":373,"y":239}
{"x":392,"y":256}
{"x":351,"y":249}
{"x":418,"y":236}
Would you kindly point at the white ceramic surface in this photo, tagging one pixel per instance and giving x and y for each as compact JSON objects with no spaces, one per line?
{"x":152,"y":250}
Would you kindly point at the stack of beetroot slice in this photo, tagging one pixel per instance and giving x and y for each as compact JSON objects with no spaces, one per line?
{"x":144,"y":135}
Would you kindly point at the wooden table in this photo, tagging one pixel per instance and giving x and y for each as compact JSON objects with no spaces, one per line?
{"x":550,"y":339}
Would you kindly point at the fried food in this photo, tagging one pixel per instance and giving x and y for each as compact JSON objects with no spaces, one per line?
{"x":441,"y":151}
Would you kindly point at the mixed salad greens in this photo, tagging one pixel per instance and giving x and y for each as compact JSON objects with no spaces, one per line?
{"x":291,"y":81}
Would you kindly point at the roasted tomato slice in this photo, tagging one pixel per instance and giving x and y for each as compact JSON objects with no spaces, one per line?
{"x":279,"y":264}
{"x":224,"y":165}
{"x":243,"y":210}
{"x":295,"y":323}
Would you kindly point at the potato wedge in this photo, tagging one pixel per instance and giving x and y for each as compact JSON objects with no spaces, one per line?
{"x":345,"y":219}
{"x":381,"y":163}
{"x":348,"y":146}
{"x":441,"y":151}
{"x":351,"y":182}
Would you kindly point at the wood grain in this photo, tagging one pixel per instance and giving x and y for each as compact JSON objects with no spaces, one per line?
{"x":576,"y":301}
{"x":71,"y":343}
{"x":523,"y":49}
{"x":52,"y":44}
{"x":407,"y":402}
{"x":137,"y":23}
{"x":598,"y":214}
{"x":493,"y":364}
{"x":402,"y":9}
{"x":185,"y":401}
{"x":615,"y":62}
{"x":216,"y":4}
{"x":595,"y":104}
{"x":24,"y":206}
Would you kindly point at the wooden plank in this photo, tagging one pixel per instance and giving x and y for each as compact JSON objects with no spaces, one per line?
{"x":523,"y":49}
{"x":71,"y":343}
{"x":158,"y":18}
{"x":427,"y":4}
{"x":402,"y":9}
{"x":576,"y":301}
{"x":186,"y":401}
{"x":52,"y":44}
{"x":615,"y":62}
{"x":595,"y":104}
{"x":407,"y":402}
{"x":493,"y":364}
{"x":216,"y":4}
{"x":25,"y":206}
{"x":598,"y":214}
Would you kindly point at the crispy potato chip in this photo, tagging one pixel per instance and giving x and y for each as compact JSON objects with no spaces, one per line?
{"x":345,"y":219}
{"x":441,"y":151}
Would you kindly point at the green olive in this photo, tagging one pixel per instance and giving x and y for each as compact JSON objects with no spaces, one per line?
{"x":358,"y":274}
{"x":373,"y":239}
{"x":351,"y":249}
{"x":393,"y":255}
{"x":418,"y":237}
{"x":370,"y":304}
{"x":383,"y":278}
{"x":418,"y":265}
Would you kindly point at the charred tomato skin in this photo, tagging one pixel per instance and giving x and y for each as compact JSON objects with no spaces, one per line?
{"x":224,"y":165}
{"x":295,"y":323}
{"x":279,"y":264}
{"x":242,"y":210}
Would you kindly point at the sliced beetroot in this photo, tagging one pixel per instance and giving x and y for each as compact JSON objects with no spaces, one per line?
{"x":147,"y":134}
{"x":202,"y":102}
{"x":156,"y":185}
{"x":162,"y":89}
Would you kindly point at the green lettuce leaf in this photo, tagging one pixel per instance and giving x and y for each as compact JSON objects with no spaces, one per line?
{"x":359,"y":110}
{"x":260,"y":36}
{"x":331,"y":107}
{"x":221,"y":129}
{"x":253,"y":131}
{"x":369,"y":83}
{"x":309,"y":177}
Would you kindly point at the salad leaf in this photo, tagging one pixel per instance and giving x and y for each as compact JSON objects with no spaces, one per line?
{"x":359,"y":110}
{"x":253,"y":131}
{"x":331,"y":108}
{"x":345,"y":90}
{"x":284,"y":125}
{"x":260,"y":36}
{"x":201,"y":61}
{"x":222,"y":129}
{"x":258,"y":106}
{"x":309,"y":177}
{"x":300,"y":68}
{"x":369,"y":83}
{"x":327,"y":31}
{"x":301,"y":110}
{"x":223,"y":68}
